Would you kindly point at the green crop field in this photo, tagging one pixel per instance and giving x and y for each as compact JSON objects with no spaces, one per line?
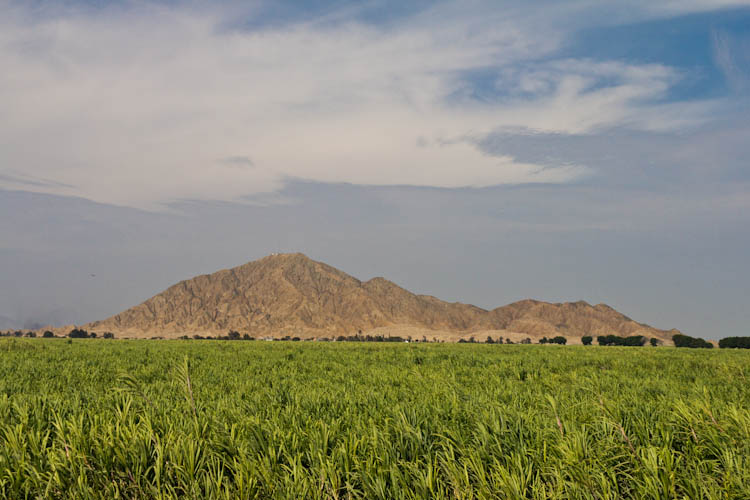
{"x":220,"y":419}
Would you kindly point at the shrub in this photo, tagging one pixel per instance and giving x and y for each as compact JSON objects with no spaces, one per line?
{"x":544,"y":340}
{"x":735,"y":343}
{"x":110,"y":335}
{"x":48,"y":335}
{"x":587,"y":339}
{"x":636,"y":340}
{"x":632,"y":341}
{"x":489,"y":340}
{"x":655,"y":342}
{"x":559,"y":340}
{"x":78,"y":333}
{"x":691,"y":342}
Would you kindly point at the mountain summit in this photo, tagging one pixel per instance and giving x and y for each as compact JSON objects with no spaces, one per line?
{"x":291,"y":294}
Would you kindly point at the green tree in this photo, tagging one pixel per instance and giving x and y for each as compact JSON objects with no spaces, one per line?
{"x":735,"y":343}
{"x":692,"y":342}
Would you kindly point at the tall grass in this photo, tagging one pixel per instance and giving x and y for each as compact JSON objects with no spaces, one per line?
{"x":193,"y":419}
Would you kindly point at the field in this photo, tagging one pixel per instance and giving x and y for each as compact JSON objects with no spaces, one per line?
{"x":220,"y":419}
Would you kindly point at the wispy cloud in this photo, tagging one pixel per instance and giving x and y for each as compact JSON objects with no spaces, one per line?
{"x":237,"y":162}
{"x":732,"y":56}
{"x":131,"y":105}
{"x":21,"y":180}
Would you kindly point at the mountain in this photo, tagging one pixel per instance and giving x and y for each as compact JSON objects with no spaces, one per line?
{"x":291,"y":294}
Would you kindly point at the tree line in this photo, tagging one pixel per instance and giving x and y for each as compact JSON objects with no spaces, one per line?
{"x":75,"y":333}
{"x":679,"y":340}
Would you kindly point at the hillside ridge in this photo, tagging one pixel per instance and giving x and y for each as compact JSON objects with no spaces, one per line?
{"x":291,"y":294}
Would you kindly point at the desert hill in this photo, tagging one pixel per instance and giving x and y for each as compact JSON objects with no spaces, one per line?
{"x":291,"y":294}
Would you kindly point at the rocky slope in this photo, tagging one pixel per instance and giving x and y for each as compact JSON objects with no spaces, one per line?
{"x":290,"y":294}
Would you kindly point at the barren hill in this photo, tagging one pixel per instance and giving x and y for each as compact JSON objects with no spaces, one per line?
{"x":290,"y":294}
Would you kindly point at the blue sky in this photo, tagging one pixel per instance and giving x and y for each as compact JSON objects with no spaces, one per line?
{"x":686,"y":42}
{"x":558,"y":150}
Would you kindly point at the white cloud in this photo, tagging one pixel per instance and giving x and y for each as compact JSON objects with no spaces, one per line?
{"x":145,"y":105}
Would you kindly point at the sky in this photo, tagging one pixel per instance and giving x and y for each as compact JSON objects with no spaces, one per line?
{"x":478,"y":151}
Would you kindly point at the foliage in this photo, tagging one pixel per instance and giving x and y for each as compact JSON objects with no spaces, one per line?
{"x":78,"y":333}
{"x":632,"y":341}
{"x":555,"y":340}
{"x":735,"y":343}
{"x":685,"y":341}
{"x":587,"y":339}
{"x":373,"y":338}
{"x":278,"y":420}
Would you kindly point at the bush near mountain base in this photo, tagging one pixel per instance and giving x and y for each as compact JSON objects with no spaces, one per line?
{"x":735,"y":343}
{"x":586,"y":340}
{"x":558,"y":340}
{"x":692,"y":342}
{"x":632,"y":341}
{"x":78,"y":333}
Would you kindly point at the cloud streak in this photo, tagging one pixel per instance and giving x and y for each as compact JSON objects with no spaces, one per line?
{"x":133,"y":106}
{"x":732,"y":56}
